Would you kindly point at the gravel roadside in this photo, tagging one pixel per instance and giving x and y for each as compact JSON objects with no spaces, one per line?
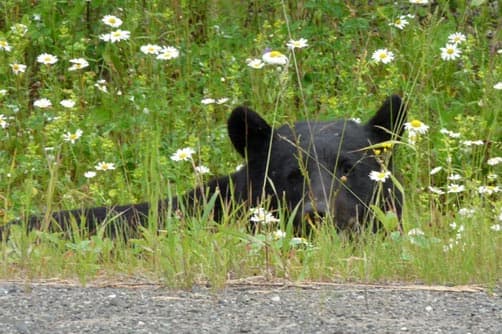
{"x":247,"y":308}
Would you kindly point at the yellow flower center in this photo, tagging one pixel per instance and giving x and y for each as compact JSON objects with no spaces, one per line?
{"x":450,"y":51}
{"x":275,"y":54}
{"x":383,"y":55}
{"x":416,"y":123}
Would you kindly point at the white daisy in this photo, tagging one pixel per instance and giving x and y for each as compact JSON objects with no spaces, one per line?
{"x":47,"y":59}
{"x":382,"y":56}
{"x":488,"y":190}
{"x":455,"y":188}
{"x":381,"y":176}
{"x":436,"y":190}
{"x":298,"y":241}
{"x":400,"y":22}
{"x":454,"y":177}
{"x":101,"y":85}
{"x":299,"y":44}
{"x":42,"y":103}
{"x":4,"y":45}
{"x":208,"y":100}
{"x":116,"y":36}
{"x":466,"y":212}
{"x":275,"y":58}
{"x":67,"y":103}
{"x":73,"y":137}
{"x":262,"y":216}
{"x":279,"y":234}
{"x":168,"y":53}
{"x":415,"y":232}
{"x":105,"y":37}
{"x":494,"y":161}
{"x":112,"y":21}
{"x":255,"y":63}
{"x":150,"y":49}
{"x":104,"y":166}
{"x":449,"y":133}
{"x":470,"y":143}
{"x":90,"y":174}
{"x":3,"y":121}
{"x":498,"y":85}
{"x":416,"y":126}
{"x":450,"y":52}
{"x":456,"y":38}
{"x":78,"y":63}
{"x":202,"y":170}
{"x":183,"y":154}
{"x":222,"y":100}
{"x":17,"y":68}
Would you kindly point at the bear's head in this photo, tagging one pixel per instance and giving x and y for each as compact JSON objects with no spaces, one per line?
{"x":319,"y":169}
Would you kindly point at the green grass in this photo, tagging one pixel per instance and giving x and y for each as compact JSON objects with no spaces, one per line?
{"x":153,"y":107}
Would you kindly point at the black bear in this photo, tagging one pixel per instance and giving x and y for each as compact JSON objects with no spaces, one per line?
{"x":318,"y":170}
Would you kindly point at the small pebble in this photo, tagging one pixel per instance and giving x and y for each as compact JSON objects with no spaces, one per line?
{"x":276,"y":298}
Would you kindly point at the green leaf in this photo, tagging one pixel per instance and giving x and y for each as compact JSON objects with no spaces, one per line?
{"x":477,"y":3}
{"x":389,"y":219}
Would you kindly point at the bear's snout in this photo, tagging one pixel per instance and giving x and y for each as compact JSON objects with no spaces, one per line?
{"x":314,"y":213}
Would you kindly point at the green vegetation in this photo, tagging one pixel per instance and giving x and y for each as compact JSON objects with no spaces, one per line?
{"x":133,"y":106}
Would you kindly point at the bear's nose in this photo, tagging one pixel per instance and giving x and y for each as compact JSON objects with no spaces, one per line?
{"x":314,"y":214}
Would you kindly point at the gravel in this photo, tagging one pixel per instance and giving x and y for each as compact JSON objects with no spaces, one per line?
{"x":247,"y":308}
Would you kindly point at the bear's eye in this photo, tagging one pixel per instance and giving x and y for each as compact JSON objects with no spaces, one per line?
{"x":294,"y":174}
{"x":345,"y":167}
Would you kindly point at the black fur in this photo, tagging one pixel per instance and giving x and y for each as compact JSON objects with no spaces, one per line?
{"x":320,"y":168}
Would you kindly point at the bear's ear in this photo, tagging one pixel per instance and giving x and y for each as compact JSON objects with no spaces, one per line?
{"x":248,"y":131}
{"x":389,"y":119}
